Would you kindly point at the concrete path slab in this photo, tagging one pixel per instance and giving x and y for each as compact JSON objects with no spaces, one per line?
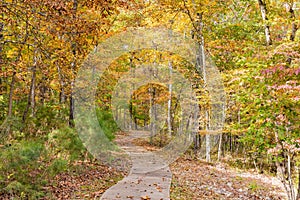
{"x":142,"y":183}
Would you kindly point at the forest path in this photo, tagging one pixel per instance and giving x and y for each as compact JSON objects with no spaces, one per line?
{"x":192,"y":179}
{"x":142,"y":182}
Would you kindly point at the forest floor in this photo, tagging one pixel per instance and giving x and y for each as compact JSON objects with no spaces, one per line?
{"x":192,"y":180}
{"x":88,"y":180}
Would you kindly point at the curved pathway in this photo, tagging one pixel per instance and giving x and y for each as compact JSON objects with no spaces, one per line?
{"x":142,"y":182}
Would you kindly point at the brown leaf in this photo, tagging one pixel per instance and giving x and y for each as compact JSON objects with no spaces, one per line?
{"x":145,"y":197}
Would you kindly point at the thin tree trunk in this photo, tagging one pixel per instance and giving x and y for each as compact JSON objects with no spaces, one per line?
{"x":294,"y":25}
{"x":11,"y":92}
{"x":294,"y":29}
{"x":298,"y":190}
{"x":71,"y":104}
{"x":263,"y":10}
{"x":220,"y":147}
{"x":290,"y":181}
{"x":71,"y":112}
{"x":133,"y":87}
{"x":12,"y":87}
{"x":62,"y":95}
{"x":73,"y":66}
{"x":31,"y":95}
{"x":150,"y":90}
{"x":282,"y":170}
{"x":42,"y":88}
{"x":71,"y":99}
{"x":1,"y":37}
{"x":203,"y":65}
{"x":124,"y":119}
{"x":207,"y":139}
{"x":170,"y":101}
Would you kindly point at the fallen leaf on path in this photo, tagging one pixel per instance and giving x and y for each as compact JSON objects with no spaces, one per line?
{"x":145,"y":198}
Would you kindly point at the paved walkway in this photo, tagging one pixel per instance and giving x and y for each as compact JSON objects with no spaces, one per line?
{"x":149,"y":178}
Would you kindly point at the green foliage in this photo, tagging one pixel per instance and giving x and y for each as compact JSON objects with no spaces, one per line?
{"x":19,"y":154}
{"x":10,"y":126}
{"x":19,"y":160}
{"x":65,"y":143}
{"x":21,"y":191}
{"x":3,"y":104}
{"x":28,"y":164}
{"x":107,"y":123}
{"x":58,"y":165}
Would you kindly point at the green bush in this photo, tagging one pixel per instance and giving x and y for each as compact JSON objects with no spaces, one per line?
{"x":9,"y":127}
{"x":18,"y":190}
{"x":66,"y":143}
{"x":19,"y":160}
{"x":58,"y":165}
{"x":19,"y":154}
{"x":107,"y":123}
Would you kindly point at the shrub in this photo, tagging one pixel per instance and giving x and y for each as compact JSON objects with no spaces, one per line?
{"x":66,"y":143}
{"x":107,"y":123}
{"x":58,"y":165}
{"x":19,"y":161}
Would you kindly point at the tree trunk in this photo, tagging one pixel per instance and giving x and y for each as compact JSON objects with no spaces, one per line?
{"x":62,"y":95}
{"x":294,"y":29}
{"x":12,"y":87}
{"x":31,"y":95}
{"x":73,"y":67}
{"x":170,"y":102}
{"x":290,"y":181}
{"x":71,"y":99}
{"x":263,"y":10}
{"x":11,"y":93}
{"x":220,"y":147}
{"x":207,"y":139}
{"x":1,"y":36}
{"x":202,"y":63}
{"x":150,"y":90}
{"x":294,"y":25}
{"x":298,"y":190}
{"x":43,"y":89}
{"x":133,"y":111}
